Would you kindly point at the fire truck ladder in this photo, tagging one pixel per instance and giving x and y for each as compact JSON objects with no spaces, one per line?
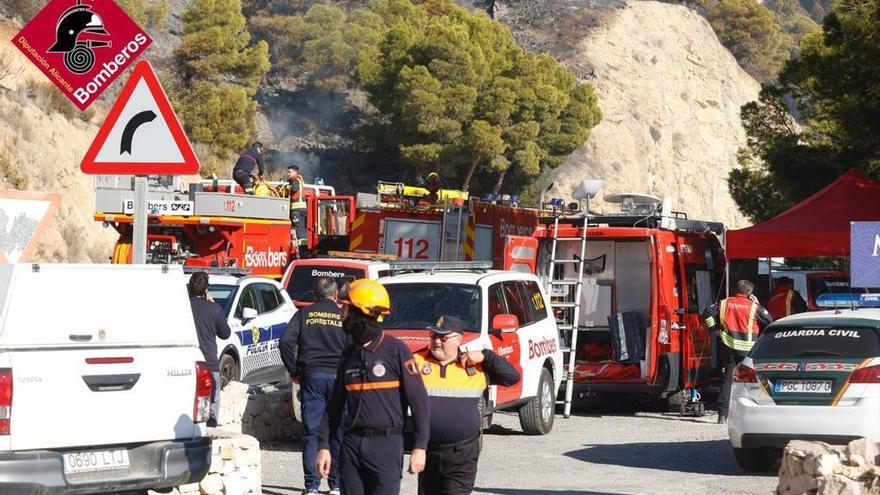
{"x":453,"y":216}
{"x":567,"y":325}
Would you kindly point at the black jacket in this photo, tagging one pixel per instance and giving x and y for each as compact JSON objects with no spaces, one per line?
{"x":314,"y":340}
{"x":210,"y":323}
{"x":248,"y":160}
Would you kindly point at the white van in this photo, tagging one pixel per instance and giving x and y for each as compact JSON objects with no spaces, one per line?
{"x":102,"y":384}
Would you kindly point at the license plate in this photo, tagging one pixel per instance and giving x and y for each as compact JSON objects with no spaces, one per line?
{"x":161,"y":207}
{"x":97,"y":460}
{"x":803,"y":386}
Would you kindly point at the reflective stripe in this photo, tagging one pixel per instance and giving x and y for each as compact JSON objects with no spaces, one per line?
{"x":788,"y":299}
{"x":454,"y":392}
{"x":372,"y":385}
{"x":299,"y":203}
{"x":731,"y":338}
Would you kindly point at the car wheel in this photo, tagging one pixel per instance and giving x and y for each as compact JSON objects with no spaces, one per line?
{"x":229,"y":370}
{"x":536,"y":416}
{"x":755,"y":460}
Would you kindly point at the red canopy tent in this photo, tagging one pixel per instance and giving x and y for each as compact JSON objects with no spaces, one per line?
{"x":817,"y":226}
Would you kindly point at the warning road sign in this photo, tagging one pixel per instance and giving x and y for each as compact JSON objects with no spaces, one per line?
{"x":23,"y":218}
{"x":141,"y":134}
{"x":82,"y":46}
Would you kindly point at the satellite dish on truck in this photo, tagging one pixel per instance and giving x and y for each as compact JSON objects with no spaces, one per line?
{"x":635,"y":203}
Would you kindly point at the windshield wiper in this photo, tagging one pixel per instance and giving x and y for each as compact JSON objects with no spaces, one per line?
{"x":819,"y":353}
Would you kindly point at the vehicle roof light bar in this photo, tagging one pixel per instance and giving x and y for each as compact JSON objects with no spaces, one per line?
{"x":216,"y":270}
{"x":440,"y":265}
{"x":836,"y":301}
{"x":361,"y":256}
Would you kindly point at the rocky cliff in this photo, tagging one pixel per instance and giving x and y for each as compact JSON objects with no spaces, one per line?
{"x":670,"y":95}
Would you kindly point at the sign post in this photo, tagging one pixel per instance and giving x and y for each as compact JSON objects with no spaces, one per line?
{"x":139,"y":236}
{"x":141,"y":136}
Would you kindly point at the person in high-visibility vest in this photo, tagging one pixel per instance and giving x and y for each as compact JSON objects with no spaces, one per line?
{"x":295,"y":190}
{"x":785,"y":300}
{"x":739,"y":320}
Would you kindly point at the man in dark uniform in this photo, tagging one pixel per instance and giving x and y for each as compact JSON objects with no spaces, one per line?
{"x":248,"y":166}
{"x":210,"y":323}
{"x":739,"y":320}
{"x":456,"y":382}
{"x":378,"y":380}
{"x":311,"y":350}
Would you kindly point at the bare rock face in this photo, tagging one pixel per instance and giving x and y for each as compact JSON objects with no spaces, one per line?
{"x":670,"y":95}
{"x":816,"y":467}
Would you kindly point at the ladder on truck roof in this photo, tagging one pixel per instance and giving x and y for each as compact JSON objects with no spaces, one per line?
{"x":570,"y":310}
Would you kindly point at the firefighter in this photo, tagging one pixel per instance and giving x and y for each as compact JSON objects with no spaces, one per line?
{"x":378,"y":381}
{"x":211,"y":324}
{"x":785,"y":300}
{"x":295,"y":190}
{"x":739,"y":319}
{"x":456,"y":382}
{"x":248,"y":167}
{"x":311,"y":350}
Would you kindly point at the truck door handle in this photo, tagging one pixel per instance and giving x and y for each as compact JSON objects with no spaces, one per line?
{"x":81,"y":337}
{"x":111,"y":383}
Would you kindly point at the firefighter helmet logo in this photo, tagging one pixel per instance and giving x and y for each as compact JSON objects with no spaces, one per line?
{"x":255,"y":335}
{"x":74,"y":22}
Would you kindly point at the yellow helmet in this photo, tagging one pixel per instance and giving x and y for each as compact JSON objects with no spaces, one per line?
{"x":369,"y":296}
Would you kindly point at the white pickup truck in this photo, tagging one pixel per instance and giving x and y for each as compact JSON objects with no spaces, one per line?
{"x":102,"y":384}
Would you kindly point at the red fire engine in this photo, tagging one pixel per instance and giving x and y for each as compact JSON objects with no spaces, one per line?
{"x":215,"y":225}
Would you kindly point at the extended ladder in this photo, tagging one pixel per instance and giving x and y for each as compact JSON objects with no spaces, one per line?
{"x":568,"y":325}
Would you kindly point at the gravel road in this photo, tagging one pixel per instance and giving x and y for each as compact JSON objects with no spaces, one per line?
{"x":610,"y":451}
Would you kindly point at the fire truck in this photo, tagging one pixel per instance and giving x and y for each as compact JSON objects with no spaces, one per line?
{"x":214,"y":224}
{"x":627,"y":290}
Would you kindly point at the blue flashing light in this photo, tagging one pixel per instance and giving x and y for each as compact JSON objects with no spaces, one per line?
{"x":831,"y":301}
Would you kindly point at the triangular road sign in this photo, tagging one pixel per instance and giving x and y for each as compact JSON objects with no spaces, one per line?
{"x":141,"y":134}
{"x":24,"y":217}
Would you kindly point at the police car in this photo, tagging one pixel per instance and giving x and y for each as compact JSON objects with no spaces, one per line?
{"x":258,"y":310}
{"x":813,"y":376}
{"x":508,"y":312}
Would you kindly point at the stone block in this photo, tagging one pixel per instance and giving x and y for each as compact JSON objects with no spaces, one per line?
{"x":211,"y":485}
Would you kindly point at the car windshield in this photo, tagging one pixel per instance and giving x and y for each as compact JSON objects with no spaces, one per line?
{"x":302,"y":282}
{"x":419,"y":305}
{"x":222,"y":295}
{"x":846,"y":342}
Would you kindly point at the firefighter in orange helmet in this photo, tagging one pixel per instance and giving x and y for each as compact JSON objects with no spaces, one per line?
{"x":785,"y":300}
{"x":739,"y":320}
{"x":376,"y":383}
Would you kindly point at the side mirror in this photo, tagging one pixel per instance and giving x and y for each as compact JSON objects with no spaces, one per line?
{"x":505,"y":323}
{"x":248,"y":314}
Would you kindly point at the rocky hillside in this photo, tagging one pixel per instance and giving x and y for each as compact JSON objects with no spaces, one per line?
{"x":670,"y":95}
{"x":41,"y":151}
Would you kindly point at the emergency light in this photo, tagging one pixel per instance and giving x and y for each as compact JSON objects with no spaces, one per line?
{"x":832,"y":301}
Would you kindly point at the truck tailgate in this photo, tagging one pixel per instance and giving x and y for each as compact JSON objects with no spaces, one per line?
{"x":91,"y":395}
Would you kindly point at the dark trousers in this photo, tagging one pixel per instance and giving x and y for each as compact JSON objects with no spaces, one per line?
{"x":215,"y":398}
{"x":450,"y":469}
{"x":298,"y":218}
{"x":371,"y":465}
{"x":244,"y":180}
{"x":314,"y":392}
{"x":733,"y":359}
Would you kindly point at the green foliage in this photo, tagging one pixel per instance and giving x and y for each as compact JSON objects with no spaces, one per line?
{"x":750,"y":32}
{"x":221,"y":115}
{"x":453,"y":90}
{"x":284,"y":36}
{"x":216,"y":46}
{"x":151,"y":14}
{"x":221,"y":70}
{"x":835,"y":83}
